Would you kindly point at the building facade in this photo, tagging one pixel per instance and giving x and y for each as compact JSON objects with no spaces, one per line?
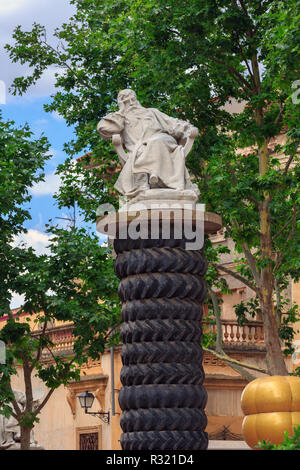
{"x":64,"y":425}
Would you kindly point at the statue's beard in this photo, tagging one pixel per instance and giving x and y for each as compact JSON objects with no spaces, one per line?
{"x":128,"y":108}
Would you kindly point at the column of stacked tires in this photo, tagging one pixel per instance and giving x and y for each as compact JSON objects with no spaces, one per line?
{"x":162,"y":288}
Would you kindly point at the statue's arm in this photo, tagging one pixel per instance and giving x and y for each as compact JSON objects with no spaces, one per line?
{"x":110,"y":127}
{"x":118,"y":148}
{"x":184,"y":132}
{"x":111,"y":124}
{"x":177,"y":128}
{"x":188,"y":144}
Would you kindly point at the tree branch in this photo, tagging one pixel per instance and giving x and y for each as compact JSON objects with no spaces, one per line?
{"x":234,"y":361}
{"x":47,"y":397}
{"x":234,"y":2}
{"x":17,"y":409}
{"x":285,"y":225}
{"x":111,"y":330}
{"x":288,"y":163}
{"x":294,"y":223}
{"x":243,"y":7}
{"x":50,"y":392}
{"x":252,"y":263}
{"x":217,"y":313}
{"x":236,"y":276}
{"x":278,"y":300}
{"x":251,"y":260}
{"x":41,"y":337}
{"x":27,"y":370}
{"x":219,"y":348}
{"x":65,"y":64}
{"x":238,"y":76}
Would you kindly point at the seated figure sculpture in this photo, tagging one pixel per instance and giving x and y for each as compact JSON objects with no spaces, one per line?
{"x":156,"y":146}
{"x":10,"y":431}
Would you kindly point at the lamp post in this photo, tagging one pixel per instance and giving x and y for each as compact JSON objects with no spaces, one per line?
{"x":86,"y":400}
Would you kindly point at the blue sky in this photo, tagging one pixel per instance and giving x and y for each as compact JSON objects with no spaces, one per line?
{"x":29,"y":108}
{"x":43,"y":205}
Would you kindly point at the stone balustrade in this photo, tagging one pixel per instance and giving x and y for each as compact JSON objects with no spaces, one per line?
{"x":250,"y":333}
{"x":62,"y":338}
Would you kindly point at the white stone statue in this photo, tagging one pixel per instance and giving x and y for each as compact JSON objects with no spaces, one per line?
{"x":10,"y":432}
{"x":156,"y":146}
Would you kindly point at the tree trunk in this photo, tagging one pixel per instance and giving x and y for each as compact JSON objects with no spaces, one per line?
{"x":25,"y":438}
{"x":25,"y":431}
{"x":275,"y":360}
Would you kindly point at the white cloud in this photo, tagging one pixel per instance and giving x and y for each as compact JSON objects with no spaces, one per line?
{"x":33,"y":238}
{"x":52,"y":153}
{"x":49,"y":186}
{"x":39,"y":242}
{"x":41,"y":122}
{"x":17,"y":300}
{"x":57,"y":116}
{"x":51,"y":14}
{"x":12,"y":6}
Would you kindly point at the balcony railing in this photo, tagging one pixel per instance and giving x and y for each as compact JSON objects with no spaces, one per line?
{"x":62,"y":338}
{"x":251,"y":333}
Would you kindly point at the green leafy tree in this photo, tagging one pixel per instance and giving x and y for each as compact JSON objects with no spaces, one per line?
{"x":21,"y":166}
{"x":190,"y":59}
{"x":74,"y":283}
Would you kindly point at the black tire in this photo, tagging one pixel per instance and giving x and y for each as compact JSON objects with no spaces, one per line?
{"x":164,"y":419}
{"x":166,"y":259}
{"x":162,"y":373}
{"x":165,"y":440}
{"x":162,"y":396}
{"x":155,"y":285}
{"x":161,"y":330}
{"x":150,"y":309}
{"x":167,"y":352}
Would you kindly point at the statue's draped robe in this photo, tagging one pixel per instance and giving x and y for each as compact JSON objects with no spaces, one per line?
{"x":152,"y":141}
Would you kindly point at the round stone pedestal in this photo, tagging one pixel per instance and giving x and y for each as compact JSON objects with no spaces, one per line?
{"x":162,"y":288}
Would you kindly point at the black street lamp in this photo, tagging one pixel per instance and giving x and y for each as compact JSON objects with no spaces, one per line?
{"x":86,"y":400}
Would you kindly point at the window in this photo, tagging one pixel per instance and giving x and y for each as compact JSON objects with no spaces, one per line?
{"x":88,"y":438}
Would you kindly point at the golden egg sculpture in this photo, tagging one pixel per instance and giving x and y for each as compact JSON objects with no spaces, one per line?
{"x":271,"y":406}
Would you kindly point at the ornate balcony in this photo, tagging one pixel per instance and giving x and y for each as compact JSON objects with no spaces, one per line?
{"x":62,"y":338}
{"x":249,"y":334}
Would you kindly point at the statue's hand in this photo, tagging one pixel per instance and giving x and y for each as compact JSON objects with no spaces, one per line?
{"x":191,"y":136}
{"x":194,"y":132}
{"x":116,"y":139}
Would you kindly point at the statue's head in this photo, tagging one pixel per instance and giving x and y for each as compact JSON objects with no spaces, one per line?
{"x":126,"y":99}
